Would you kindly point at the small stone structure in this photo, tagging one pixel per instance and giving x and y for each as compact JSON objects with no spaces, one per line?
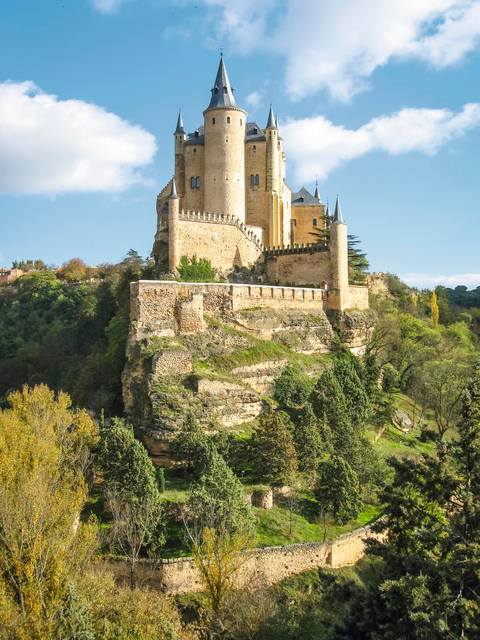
{"x":269,"y":565}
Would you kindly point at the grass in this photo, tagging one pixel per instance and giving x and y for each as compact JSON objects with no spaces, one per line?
{"x":279,"y":526}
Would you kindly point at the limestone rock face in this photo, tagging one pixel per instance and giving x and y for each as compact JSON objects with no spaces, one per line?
{"x":263,"y":499}
{"x":215,"y":351}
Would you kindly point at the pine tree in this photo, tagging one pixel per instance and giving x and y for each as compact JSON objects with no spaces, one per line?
{"x":273,"y":449}
{"x":311,"y":441}
{"x":356,"y":399}
{"x":338,"y":490}
{"x":464,"y":544}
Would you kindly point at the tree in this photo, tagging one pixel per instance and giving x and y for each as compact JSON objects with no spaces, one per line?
{"x":44,"y":446}
{"x":311,"y":440}
{"x":346,"y":370}
{"x":125,"y":464}
{"x":434,"y":310}
{"x":195,"y":270}
{"x":292,"y":388}
{"x":193,"y":447}
{"x":273,"y":449}
{"x":136,"y":526}
{"x":219,"y":527}
{"x":429,"y":578}
{"x":75,"y":270}
{"x":338,"y":490}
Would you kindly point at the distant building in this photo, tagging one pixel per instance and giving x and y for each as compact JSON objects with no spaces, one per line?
{"x":9,"y":275}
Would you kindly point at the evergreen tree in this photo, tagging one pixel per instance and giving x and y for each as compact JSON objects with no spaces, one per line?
{"x":273,"y":449}
{"x":217,"y":501}
{"x":193,"y":447}
{"x":125,"y":464}
{"x":346,"y":372}
{"x":311,"y":441}
{"x":292,"y":389}
{"x":338,"y":490}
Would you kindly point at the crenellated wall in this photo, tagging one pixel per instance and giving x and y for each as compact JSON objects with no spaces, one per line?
{"x":167,"y":308}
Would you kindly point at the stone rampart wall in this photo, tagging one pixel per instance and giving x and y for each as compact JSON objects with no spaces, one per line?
{"x":302,"y":267}
{"x":166,"y":308}
{"x":358,"y":297}
{"x":264,"y":566}
{"x":223,"y":240}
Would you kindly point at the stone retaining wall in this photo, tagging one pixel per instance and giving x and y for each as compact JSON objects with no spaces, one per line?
{"x":267,"y":566}
{"x":166,"y":308}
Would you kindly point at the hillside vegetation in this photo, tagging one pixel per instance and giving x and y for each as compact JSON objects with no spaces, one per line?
{"x":340,"y":440}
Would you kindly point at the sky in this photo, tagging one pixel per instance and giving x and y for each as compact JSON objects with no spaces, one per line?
{"x":379,"y":100}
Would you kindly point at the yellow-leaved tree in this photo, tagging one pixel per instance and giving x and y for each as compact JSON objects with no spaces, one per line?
{"x":44,"y":452}
{"x":435,"y":309}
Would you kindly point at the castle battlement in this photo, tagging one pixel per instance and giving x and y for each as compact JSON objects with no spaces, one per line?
{"x":221,"y":218}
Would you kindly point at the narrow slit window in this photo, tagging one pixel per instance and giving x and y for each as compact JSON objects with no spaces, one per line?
{"x":314,"y":222}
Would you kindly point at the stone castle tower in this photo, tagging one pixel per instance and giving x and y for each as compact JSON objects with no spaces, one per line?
{"x":229,"y":202}
{"x":232,"y":166}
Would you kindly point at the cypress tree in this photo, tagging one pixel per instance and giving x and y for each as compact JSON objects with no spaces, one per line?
{"x":273,"y":449}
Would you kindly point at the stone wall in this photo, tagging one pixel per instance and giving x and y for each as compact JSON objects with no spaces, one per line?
{"x":167,"y":308}
{"x":267,"y":566}
{"x":225,"y":245}
{"x":302,"y":266}
{"x":358,"y":297}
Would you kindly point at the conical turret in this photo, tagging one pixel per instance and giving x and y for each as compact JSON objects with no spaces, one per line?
{"x":222,"y":92}
{"x":271,"y":122}
{"x":179,"y":128}
{"x":338,"y":215}
{"x":316,"y":194}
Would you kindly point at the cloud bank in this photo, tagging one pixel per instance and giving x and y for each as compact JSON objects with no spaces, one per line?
{"x":429,"y":281}
{"x":52,"y":146}
{"x":316,"y":146}
{"x":337,"y":46}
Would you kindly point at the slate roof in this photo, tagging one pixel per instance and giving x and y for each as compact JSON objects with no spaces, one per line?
{"x":304,"y":198}
{"x":222,"y":92}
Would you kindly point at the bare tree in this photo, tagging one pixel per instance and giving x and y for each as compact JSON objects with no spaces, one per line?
{"x":135,"y":527}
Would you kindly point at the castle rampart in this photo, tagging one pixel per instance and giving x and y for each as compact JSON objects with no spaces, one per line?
{"x":267,"y":566}
{"x":157,"y":307}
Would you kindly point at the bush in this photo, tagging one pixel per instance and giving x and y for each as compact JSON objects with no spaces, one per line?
{"x":196,"y":270}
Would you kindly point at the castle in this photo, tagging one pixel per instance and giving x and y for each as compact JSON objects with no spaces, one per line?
{"x":229,"y":202}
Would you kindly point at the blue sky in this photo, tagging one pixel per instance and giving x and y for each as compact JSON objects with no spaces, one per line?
{"x":379,"y":99}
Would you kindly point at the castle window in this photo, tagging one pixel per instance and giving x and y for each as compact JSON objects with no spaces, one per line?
{"x":255,"y":130}
{"x":228,"y":119}
{"x":241,"y":122}
{"x":294,"y":222}
{"x":213,"y":120}
{"x":254,"y":147}
{"x":195,"y":182}
{"x":254,"y":180}
{"x":194,"y":150}
{"x":314,"y":222}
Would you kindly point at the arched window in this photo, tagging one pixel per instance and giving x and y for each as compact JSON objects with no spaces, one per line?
{"x":213,"y":120}
{"x":195,"y":182}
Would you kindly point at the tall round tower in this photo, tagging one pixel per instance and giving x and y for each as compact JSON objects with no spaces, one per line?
{"x":225,"y":125}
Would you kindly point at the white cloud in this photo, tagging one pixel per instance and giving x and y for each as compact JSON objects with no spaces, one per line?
{"x":52,"y":146}
{"x":106,"y":6}
{"x":429,"y":281}
{"x":316,"y":146}
{"x":337,"y":46}
{"x":254,"y":99}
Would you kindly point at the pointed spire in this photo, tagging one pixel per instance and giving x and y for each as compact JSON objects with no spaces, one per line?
{"x":326,"y":211}
{"x":222,"y":92}
{"x":338,"y":215}
{"x":173,"y":190}
{"x":271,"y":122}
{"x":316,"y":194}
{"x":180,"y":128}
